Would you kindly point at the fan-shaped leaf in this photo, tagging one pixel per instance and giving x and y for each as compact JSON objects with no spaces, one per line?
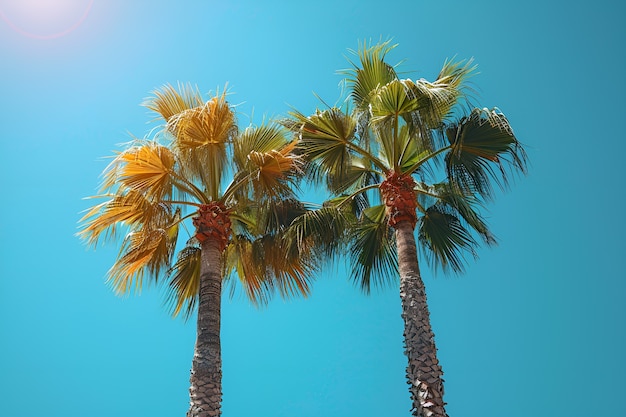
{"x":444,"y":239}
{"x":372,"y":250}
{"x":483,"y":149}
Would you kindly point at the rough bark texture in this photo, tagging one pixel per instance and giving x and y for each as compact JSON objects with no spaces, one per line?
{"x":424,"y":375}
{"x":213,"y":223}
{"x":205,"y":391}
{"x":399,"y":196}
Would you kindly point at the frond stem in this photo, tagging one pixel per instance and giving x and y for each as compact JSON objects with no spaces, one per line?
{"x":427,"y":158}
{"x":235,"y":186}
{"x":357,"y":192}
{"x":374,"y":160}
{"x":190,"y":187}
{"x":184,"y":203}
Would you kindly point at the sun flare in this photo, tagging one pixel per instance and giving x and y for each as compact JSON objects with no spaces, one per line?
{"x":44,"y":19}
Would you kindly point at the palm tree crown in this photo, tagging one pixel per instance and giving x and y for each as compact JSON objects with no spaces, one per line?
{"x":154,"y":185}
{"x":405,"y":149}
{"x":233,"y":188}
{"x":401,"y":156}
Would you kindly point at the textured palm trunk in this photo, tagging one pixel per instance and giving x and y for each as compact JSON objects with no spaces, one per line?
{"x":424,"y":375}
{"x":205,"y":391}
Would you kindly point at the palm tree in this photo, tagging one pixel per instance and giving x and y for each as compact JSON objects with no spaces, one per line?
{"x":179,"y":175}
{"x":404,"y":157}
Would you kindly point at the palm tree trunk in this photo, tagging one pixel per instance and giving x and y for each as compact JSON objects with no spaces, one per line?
{"x":205,"y":391}
{"x":423,"y":372}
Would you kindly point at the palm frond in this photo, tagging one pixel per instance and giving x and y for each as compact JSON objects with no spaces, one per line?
{"x":289,"y":266}
{"x":328,"y":140}
{"x":242,"y":261}
{"x":264,"y":138}
{"x":444,"y":239}
{"x":268,"y":264}
{"x":372,"y":250}
{"x":437,"y":99}
{"x":275,"y":215}
{"x":322,"y":229}
{"x":466,"y":208}
{"x":129,"y":210}
{"x":200,"y":138}
{"x":145,"y":168}
{"x":184,"y":281}
{"x":326,"y":136}
{"x":143,"y":253}
{"x":169,"y":101}
{"x":390,"y":102}
{"x":265,"y":255}
{"x":274,"y":172}
{"x":370,"y":73}
{"x":484,"y":149}
{"x":358,"y":175}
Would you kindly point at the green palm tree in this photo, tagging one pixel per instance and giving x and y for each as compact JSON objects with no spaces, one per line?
{"x":406,"y":157}
{"x":235,"y":188}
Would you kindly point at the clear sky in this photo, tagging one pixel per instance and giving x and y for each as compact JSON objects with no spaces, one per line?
{"x":535,"y":327}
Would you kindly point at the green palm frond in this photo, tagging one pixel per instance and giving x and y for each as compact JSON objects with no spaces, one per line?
{"x":372,"y":250}
{"x":278,"y":214}
{"x":329,"y":128}
{"x":483,"y":150}
{"x":466,"y":208}
{"x":323,"y":230}
{"x":444,"y":239}
{"x":410,"y":151}
{"x":326,"y":136}
{"x":392,"y":142}
{"x":390,"y":102}
{"x":329,"y":140}
{"x":371,"y":73}
{"x":355,"y":176}
{"x":436,"y":100}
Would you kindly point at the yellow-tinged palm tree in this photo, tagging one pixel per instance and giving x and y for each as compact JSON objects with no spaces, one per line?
{"x":405,"y":157}
{"x":236,"y":190}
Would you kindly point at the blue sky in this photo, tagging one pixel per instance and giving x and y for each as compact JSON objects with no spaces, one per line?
{"x":534,"y":327}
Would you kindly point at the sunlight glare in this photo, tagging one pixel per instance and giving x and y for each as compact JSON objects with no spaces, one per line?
{"x":44,"y":19}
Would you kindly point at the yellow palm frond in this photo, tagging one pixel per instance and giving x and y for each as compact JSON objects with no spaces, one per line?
{"x":169,"y":101}
{"x":241,"y":259}
{"x":201,"y":135}
{"x":273,"y":168}
{"x":144,"y":251}
{"x":184,"y":284}
{"x":130,"y":209}
{"x":210,"y":123}
{"x":145,"y":168}
{"x":290,"y":268}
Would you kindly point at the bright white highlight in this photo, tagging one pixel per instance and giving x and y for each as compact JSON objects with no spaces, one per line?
{"x":44,"y":19}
